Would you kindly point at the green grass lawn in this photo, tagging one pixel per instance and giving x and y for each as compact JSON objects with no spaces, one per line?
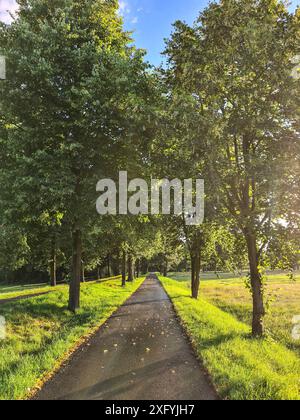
{"x":231,"y":295}
{"x":241,"y":367}
{"x":41,"y":332}
{"x":8,"y":288}
{"x":14,"y":291}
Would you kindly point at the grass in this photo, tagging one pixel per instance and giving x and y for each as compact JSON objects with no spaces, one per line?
{"x":14,"y":291}
{"x":41,"y":333}
{"x":241,"y":368}
{"x":231,"y":295}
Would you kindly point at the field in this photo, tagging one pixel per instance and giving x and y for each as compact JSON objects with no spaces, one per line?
{"x":13,"y":292}
{"x":8,"y":291}
{"x":231,"y":295}
{"x":219,"y":327}
{"x":41,"y":332}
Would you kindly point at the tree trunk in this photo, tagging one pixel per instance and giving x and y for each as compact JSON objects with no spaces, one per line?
{"x":130,"y":268}
{"x":192,"y":272}
{"x":74,"y":294}
{"x":83,"y":273}
{"x":196,"y":268}
{"x":53,"y":279}
{"x":165,"y":272}
{"x":124,"y":269}
{"x":256,"y":286}
{"x":161,"y":270}
{"x":138,"y":268}
{"x":108,"y":266}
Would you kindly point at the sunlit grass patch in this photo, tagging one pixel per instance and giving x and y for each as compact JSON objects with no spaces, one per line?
{"x":282,"y":298}
{"x":15,"y":291}
{"x":241,"y":367}
{"x":12,"y":292}
{"x":41,"y":332}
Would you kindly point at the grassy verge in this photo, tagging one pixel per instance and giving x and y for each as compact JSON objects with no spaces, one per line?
{"x":19,"y":292}
{"x":41,"y":332}
{"x":241,"y":368}
{"x":15,"y":291}
{"x":231,"y":295}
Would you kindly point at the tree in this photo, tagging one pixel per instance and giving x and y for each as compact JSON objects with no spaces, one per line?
{"x":124,"y":262}
{"x":236,"y":63}
{"x":179,"y":151}
{"x":73,"y":100}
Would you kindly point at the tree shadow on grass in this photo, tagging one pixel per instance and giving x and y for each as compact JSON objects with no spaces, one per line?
{"x":45,"y":344}
{"x":218,"y":340}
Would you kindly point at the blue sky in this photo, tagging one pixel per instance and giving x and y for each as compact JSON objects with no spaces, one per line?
{"x":151,"y":20}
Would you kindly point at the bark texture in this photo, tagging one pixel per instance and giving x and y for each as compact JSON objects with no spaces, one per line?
{"x":74,"y":296}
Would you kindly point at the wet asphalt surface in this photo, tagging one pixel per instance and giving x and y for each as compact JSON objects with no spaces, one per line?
{"x":141,"y":353}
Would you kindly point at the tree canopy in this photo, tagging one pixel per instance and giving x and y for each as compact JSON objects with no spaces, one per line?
{"x":80,"y":104}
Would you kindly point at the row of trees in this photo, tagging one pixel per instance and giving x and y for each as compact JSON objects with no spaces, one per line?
{"x":235,"y":109}
{"x":80,"y":104}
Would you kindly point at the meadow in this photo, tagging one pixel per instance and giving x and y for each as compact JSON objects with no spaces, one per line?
{"x":218,"y":324}
{"x":10,"y":291}
{"x":231,"y":295}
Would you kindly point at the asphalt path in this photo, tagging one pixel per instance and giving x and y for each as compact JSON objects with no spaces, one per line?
{"x":141,"y":353}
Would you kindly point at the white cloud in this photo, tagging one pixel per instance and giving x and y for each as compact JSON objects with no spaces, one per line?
{"x":7,"y":6}
{"x":10,"y":6}
{"x":124,"y":8}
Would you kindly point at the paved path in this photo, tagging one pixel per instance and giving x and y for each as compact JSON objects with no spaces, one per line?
{"x":141,"y":353}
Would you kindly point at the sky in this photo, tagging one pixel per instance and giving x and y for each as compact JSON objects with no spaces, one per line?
{"x":151,"y":20}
